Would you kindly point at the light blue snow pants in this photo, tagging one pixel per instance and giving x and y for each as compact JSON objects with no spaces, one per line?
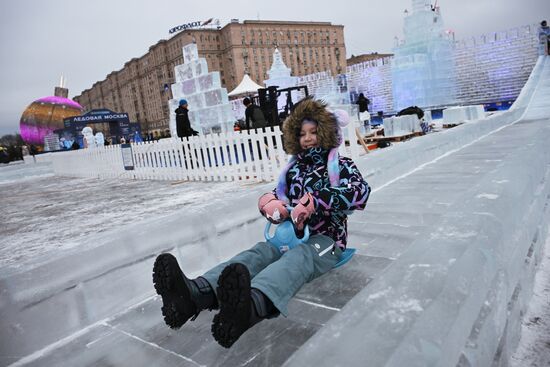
{"x":280,"y":276}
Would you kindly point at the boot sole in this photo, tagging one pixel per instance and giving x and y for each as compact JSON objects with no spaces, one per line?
{"x":170,"y":285}
{"x":235,"y":305}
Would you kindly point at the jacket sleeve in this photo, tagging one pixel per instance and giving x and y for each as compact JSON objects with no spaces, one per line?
{"x":352,"y":194}
{"x":187,"y":124}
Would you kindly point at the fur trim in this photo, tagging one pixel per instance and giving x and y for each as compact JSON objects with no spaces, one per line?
{"x":327,"y":125}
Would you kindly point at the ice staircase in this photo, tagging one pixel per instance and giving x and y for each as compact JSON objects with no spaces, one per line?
{"x":447,"y":249}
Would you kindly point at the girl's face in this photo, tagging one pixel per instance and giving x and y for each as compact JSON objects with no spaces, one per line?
{"x":308,"y":135}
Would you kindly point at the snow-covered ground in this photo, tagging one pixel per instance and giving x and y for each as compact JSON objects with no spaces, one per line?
{"x":43,"y":215}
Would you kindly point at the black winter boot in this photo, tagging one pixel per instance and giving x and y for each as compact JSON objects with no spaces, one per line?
{"x":241,"y":306}
{"x":182,"y":298}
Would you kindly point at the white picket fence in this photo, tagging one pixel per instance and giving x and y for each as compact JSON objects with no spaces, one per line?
{"x":252,"y":155}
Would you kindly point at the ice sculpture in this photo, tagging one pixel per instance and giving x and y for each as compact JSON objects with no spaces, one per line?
{"x":89,"y":139}
{"x":279,"y":74}
{"x":401,"y":125}
{"x":423,"y":71}
{"x":99,"y":139}
{"x":209,"y":107}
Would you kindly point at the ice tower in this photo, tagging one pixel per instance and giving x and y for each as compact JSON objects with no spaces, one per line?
{"x":209,"y":107}
{"x":423,"y":71}
{"x":279,"y":74}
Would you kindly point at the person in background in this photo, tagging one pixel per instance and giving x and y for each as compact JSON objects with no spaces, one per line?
{"x":363,"y":103}
{"x":364,"y":115}
{"x":33,"y":150}
{"x":183,"y":125}
{"x":255,"y":118}
{"x":68,"y":144}
{"x":544,"y":38}
{"x":4,"y":157}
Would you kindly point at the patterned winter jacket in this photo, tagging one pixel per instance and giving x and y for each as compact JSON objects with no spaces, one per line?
{"x":333,"y":204}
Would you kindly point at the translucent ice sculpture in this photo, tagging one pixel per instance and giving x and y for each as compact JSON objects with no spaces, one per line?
{"x":208,"y":101}
{"x":279,"y":74}
{"x":423,"y":71}
{"x":99,"y":139}
{"x":89,"y":139}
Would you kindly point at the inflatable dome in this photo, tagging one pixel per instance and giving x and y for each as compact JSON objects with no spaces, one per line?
{"x":45,"y":115}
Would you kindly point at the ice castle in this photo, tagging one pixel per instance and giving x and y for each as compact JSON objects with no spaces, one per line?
{"x":423,"y":70}
{"x":209,"y":107}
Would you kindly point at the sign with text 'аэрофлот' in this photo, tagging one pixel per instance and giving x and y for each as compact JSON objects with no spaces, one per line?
{"x":190,"y":25}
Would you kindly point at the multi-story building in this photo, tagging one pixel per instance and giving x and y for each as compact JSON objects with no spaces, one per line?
{"x":140,"y":88}
{"x":366,"y":57}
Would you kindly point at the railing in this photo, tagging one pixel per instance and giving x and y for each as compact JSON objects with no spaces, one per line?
{"x":252,"y":155}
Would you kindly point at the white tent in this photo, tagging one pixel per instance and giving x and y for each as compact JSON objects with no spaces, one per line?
{"x":247,"y":85}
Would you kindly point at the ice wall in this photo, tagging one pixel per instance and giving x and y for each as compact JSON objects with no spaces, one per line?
{"x":332,"y":90}
{"x":317,"y":83}
{"x":209,"y":107}
{"x":494,"y":66}
{"x":489,"y":68}
{"x":373,"y":79}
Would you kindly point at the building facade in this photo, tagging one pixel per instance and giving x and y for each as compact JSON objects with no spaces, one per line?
{"x":141,"y":87}
{"x":366,"y":57}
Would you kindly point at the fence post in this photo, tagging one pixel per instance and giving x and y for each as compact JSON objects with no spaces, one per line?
{"x":233,"y":164}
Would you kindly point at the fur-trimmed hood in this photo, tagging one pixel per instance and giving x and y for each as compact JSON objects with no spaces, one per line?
{"x":328,"y":131}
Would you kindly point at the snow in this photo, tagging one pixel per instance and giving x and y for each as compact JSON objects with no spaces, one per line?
{"x":43,"y":215}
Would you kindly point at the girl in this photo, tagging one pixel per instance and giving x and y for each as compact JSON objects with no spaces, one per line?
{"x":322,"y":188}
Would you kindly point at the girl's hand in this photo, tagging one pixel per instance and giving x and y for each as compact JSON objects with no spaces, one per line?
{"x":303,"y":211}
{"x":273,"y":209}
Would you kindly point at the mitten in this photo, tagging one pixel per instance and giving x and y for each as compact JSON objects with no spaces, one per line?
{"x":272,"y":208}
{"x":301,"y":212}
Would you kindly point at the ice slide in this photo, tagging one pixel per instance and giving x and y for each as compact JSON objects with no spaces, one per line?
{"x":460,"y":281}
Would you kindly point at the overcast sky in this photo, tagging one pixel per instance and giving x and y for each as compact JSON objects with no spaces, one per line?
{"x":85,"y":40}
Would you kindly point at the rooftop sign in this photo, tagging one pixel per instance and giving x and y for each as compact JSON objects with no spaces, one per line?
{"x":190,"y":25}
